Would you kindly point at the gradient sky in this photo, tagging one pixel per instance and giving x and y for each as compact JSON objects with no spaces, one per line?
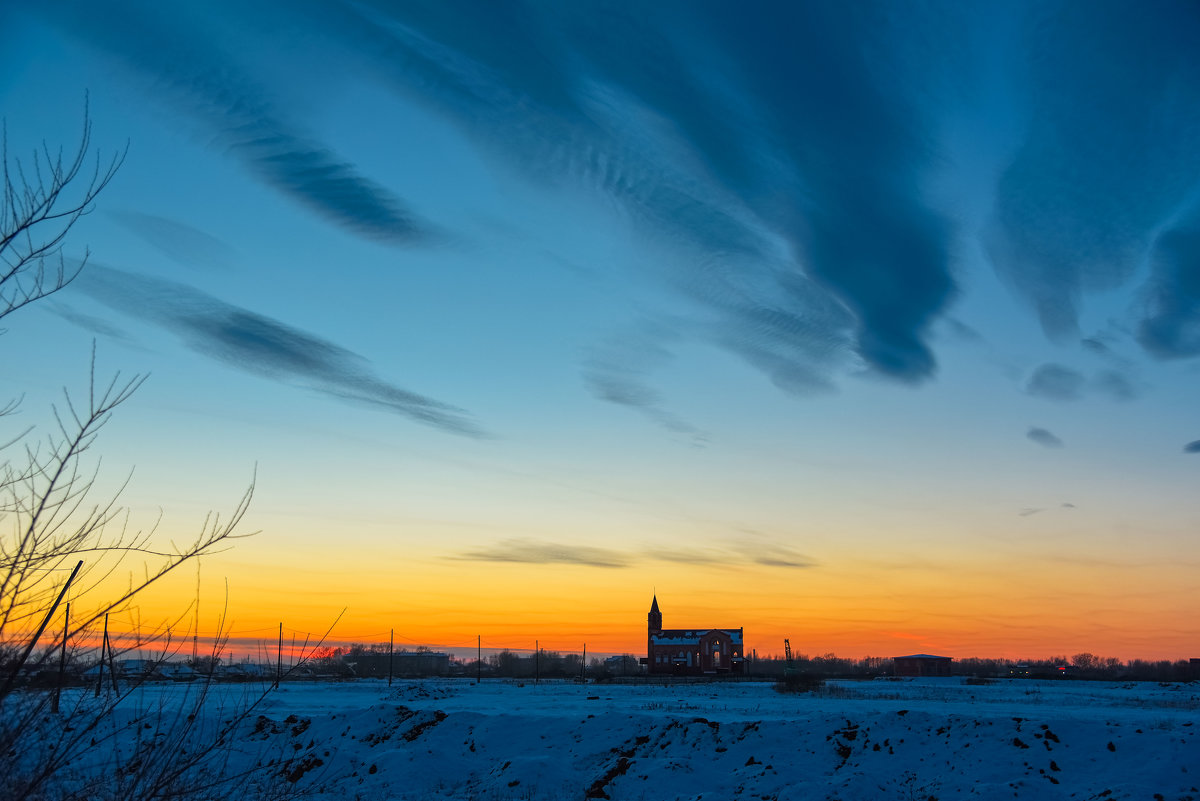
{"x":870,"y":325}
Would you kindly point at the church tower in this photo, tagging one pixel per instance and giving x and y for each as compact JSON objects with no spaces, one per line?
{"x":654,"y":619}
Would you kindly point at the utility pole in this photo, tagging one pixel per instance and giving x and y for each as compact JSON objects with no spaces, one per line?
{"x":537,"y":661}
{"x":196,"y":623}
{"x":106,"y":646}
{"x":478,"y":658}
{"x":103,"y":645}
{"x":62,"y":659}
{"x":12,"y":676}
{"x":391,"y":646}
{"x":583,"y":662}
{"x":279,"y":657}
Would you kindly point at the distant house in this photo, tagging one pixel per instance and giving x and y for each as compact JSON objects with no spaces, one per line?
{"x":140,"y":669}
{"x":622,"y":665}
{"x":176,"y":671}
{"x":691,"y":651}
{"x":922,"y":665}
{"x":402,"y":663}
{"x":243,"y":671}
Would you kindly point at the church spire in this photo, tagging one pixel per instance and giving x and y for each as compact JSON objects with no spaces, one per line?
{"x":654,"y":605}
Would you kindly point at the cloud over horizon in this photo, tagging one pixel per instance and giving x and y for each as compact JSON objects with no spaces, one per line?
{"x":539,"y":552}
{"x":733,"y":554}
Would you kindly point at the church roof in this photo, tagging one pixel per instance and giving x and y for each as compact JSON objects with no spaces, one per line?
{"x":921,"y":656}
{"x":654,"y":605}
{"x":692,"y":636}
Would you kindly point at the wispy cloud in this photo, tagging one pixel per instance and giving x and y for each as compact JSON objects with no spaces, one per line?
{"x":259,"y":344}
{"x":1115,"y":385}
{"x":1043,"y":437}
{"x":735,"y":554}
{"x":88,"y":322}
{"x":181,"y":242}
{"x":1056,"y":382}
{"x":540,"y":552}
{"x":618,"y":373}
{"x":761,"y":552}
{"x":776,"y":556}
{"x":1060,"y":383}
{"x":1192,"y":447}
{"x":1033,"y":510}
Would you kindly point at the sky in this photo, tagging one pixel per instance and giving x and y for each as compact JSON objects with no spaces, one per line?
{"x":874,"y":326}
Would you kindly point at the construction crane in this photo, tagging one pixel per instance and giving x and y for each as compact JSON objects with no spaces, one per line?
{"x":790,"y":666}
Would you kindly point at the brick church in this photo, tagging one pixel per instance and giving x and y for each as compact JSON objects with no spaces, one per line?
{"x":694,"y":652}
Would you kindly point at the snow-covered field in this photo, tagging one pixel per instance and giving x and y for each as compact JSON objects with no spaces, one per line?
{"x":921,"y":739}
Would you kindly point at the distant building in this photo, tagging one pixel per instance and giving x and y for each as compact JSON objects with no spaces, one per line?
{"x":691,"y":651}
{"x":922,"y":665}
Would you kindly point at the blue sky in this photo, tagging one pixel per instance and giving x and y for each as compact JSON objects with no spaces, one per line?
{"x":823,"y":301}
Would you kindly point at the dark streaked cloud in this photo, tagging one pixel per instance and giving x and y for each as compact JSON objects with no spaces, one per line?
{"x":852,"y":144}
{"x":1056,"y":382}
{"x":188,"y":71}
{"x":181,"y":242}
{"x":1171,"y":327}
{"x":1089,"y":186}
{"x":788,"y":155}
{"x":816,"y":175}
{"x":1192,"y":447}
{"x":1043,"y":437}
{"x":540,"y":552}
{"x":258,"y":344}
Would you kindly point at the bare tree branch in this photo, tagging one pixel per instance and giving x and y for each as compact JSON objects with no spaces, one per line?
{"x":40,"y":200}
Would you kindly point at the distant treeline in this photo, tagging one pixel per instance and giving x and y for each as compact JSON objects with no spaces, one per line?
{"x":351,"y":660}
{"x":554,"y":664}
{"x":1080,"y":666}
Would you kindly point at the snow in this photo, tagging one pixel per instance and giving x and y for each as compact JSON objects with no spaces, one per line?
{"x":503,"y":739}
